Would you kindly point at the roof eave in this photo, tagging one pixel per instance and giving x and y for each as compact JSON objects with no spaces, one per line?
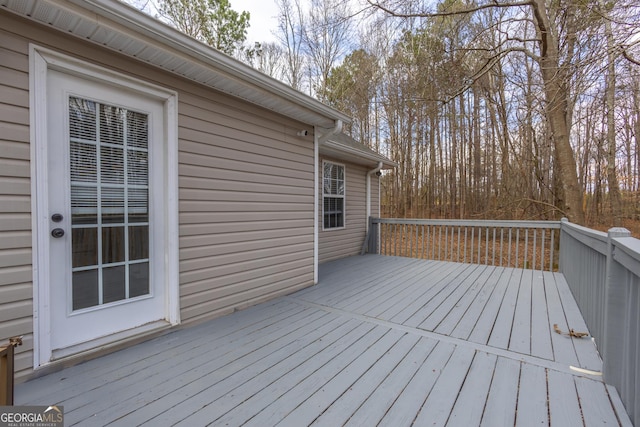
{"x":205,"y":65}
{"x":341,"y":151}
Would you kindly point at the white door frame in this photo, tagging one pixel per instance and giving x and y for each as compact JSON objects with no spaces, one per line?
{"x":40,"y":61}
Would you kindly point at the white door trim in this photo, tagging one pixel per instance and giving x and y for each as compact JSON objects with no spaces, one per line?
{"x":41,"y":60}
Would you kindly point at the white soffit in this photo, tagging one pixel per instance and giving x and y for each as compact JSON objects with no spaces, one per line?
{"x":121,"y":28}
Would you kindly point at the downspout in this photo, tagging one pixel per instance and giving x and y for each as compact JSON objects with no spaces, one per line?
{"x":371,"y":172}
{"x":317,"y":140}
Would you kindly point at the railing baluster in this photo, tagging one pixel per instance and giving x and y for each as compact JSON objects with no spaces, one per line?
{"x":501,"y":244}
{"x":535,"y":251}
{"x":472,"y":247}
{"x":510,"y":242}
{"x":446,"y":241}
{"x":466,"y":229}
{"x":517,"y":247}
{"x":542,"y":252}
{"x":479,"y":244}
{"x":553,"y":248}
{"x":493,"y":250}
{"x":526,"y":247}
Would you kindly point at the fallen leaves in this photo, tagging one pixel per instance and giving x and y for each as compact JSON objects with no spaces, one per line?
{"x":571,"y":333}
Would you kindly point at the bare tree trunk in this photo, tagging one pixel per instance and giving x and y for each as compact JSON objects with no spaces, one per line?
{"x":610,"y":96}
{"x":555,"y":87}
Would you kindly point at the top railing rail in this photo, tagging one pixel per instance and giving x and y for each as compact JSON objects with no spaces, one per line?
{"x":522,"y":244}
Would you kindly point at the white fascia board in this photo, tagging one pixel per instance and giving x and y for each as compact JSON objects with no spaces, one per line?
{"x":121,"y":18}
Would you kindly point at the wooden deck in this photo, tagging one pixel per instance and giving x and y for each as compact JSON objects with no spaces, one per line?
{"x":380,"y":341}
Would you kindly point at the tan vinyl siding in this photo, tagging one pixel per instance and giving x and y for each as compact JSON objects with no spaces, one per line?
{"x":245,"y":190}
{"x":246,"y":203}
{"x":347,"y":241}
{"x":16,"y":303}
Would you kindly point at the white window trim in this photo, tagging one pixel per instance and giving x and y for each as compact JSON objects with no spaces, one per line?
{"x":41,"y":60}
{"x":344,"y":196}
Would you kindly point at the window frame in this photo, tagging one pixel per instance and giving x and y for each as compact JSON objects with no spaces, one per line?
{"x":335,"y":196}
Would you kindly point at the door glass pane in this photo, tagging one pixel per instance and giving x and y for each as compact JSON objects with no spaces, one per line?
{"x":84,"y":242}
{"x":111,"y":165}
{"x":138,"y":242}
{"x":84,"y":205}
{"x":111,"y":124}
{"x":85,"y":289}
{"x":138,"y":279}
{"x":113,"y":284}
{"x":113,"y":245}
{"x":109,"y":171}
{"x":112,"y":200}
{"x":138,"y":205}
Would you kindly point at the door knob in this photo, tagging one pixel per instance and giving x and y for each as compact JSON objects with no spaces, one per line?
{"x":57,"y":232}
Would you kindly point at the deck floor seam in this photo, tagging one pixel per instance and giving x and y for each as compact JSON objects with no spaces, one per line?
{"x":520,"y":357}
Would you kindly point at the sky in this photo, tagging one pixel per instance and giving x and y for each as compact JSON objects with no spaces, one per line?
{"x":263,"y":18}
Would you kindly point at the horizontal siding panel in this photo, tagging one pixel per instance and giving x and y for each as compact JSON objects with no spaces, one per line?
{"x":13,"y":43}
{"x":203,"y":262}
{"x":203,"y":240}
{"x":303,"y":188}
{"x":15,"y":79}
{"x":263,"y":171}
{"x":15,"y":240}
{"x":199,"y":140}
{"x":15,"y":186}
{"x":15,"y":274}
{"x":14,"y":204}
{"x":13,"y":114}
{"x":15,"y":150}
{"x":14,"y":168}
{"x":17,"y":327}
{"x":15,"y":221}
{"x":16,"y":292}
{"x":14,"y":60}
{"x":250,"y":292}
{"x":234,"y":227}
{"x":216,"y":206}
{"x":239,"y":249}
{"x":18,"y":97}
{"x":14,"y":132}
{"x":15,"y":310}
{"x":210,"y":173}
{"x":238,"y":196}
{"x":242,"y":274}
{"x":261,"y":126}
{"x":224,"y":217}
{"x":14,"y":257}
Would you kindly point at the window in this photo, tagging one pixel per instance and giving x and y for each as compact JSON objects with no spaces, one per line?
{"x":333,"y":195}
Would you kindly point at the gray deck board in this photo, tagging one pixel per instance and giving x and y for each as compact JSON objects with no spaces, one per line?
{"x":500,"y":408}
{"x":380,"y":340}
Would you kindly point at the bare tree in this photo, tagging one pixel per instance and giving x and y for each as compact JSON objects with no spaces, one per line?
{"x":290,"y":33}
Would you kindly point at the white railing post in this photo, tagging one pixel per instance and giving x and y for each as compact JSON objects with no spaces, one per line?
{"x":615,"y":327}
{"x":563,"y":245}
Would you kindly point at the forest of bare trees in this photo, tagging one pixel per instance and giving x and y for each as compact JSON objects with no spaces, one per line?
{"x":515,"y":109}
{"x":521,"y":109}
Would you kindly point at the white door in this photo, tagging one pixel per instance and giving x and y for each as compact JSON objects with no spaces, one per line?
{"x":104,"y":220}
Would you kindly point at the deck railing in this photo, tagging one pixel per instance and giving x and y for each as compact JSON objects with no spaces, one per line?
{"x":523,"y":244}
{"x":602,"y":270}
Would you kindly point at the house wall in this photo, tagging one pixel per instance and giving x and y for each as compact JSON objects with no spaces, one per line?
{"x":340,"y":243}
{"x":245,"y":191}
